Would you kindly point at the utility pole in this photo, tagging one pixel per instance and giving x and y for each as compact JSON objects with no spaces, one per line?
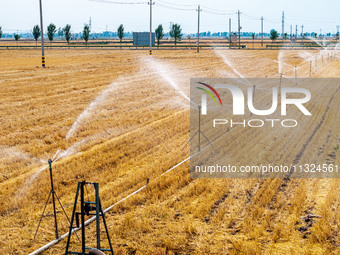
{"x":296,"y":30}
{"x":302,"y":31}
{"x":291,"y":31}
{"x":262,"y":31}
{"x":151,"y":3}
{"x":229,"y":32}
{"x":42,"y":37}
{"x":90,"y":24}
{"x":239,"y":29}
{"x":283,"y":24}
{"x":198,"y":29}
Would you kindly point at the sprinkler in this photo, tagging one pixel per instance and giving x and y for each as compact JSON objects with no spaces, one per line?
{"x":88,"y":208}
{"x":199,"y":132}
{"x":316,"y":62}
{"x":54,"y":198}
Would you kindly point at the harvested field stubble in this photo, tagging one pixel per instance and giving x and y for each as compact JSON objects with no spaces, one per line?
{"x":133,"y":126}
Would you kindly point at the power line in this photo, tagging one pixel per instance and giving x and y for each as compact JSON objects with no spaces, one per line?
{"x":217,"y":10}
{"x":250,"y":17}
{"x":169,"y":3}
{"x":215,"y":13}
{"x":219,"y":13}
{"x":173,"y":8}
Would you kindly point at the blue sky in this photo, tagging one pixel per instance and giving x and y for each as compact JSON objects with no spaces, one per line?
{"x":22,"y":15}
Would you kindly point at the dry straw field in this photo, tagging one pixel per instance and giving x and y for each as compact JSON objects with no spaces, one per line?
{"x":118,"y":117}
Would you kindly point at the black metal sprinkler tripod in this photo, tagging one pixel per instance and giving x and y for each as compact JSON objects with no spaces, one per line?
{"x":53,"y":200}
{"x":54,"y":196}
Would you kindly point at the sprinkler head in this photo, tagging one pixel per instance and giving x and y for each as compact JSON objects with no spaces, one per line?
{"x":50,"y":162}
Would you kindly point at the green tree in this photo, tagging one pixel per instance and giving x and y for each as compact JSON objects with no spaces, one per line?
{"x":17,"y":37}
{"x":253,"y":37}
{"x":120,"y":32}
{"x":67,"y":33}
{"x":285,"y":35}
{"x":36,"y":33}
{"x":86,"y":33}
{"x":189,"y":37}
{"x":315,"y":35}
{"x":60,"y":32}
{"x":51,"y":30}
{"x":0,"y":32}
{"x":273,"y":35}
{"x":159,"y":33}
{"x":176,"y":32}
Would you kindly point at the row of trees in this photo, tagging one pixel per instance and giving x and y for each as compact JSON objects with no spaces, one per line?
{"x":66,"y":32}
{"x":175,"y":32}
{"x":51,"y":30}
{"x":274,"y":35}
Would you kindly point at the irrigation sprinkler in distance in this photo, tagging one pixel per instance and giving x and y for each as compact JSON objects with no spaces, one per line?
{"x":199,"y":132}
{"x":280,"y":80}
{"x":254,"y":88}
{"x":316,"y":62}
{"x":54,"y":197}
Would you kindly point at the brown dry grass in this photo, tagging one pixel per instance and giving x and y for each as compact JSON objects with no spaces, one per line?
{"x":136,"y":133}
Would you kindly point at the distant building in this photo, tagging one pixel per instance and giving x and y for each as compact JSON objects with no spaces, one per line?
{"x":143,"y":39}
{"x":234,"y":40}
